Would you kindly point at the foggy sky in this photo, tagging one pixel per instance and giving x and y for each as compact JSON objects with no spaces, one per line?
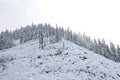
{"x":16,"y":13}
{"x":98,"y":18}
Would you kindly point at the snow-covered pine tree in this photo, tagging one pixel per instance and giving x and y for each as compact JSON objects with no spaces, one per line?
{"x":118,"y":53}
{"x":1,"y":42}
{"x":68,"y":34}
{"x":57,"y":36}
{"x":113,"y":54}
{"x":41,"y":41}
{"x":6,"y":40}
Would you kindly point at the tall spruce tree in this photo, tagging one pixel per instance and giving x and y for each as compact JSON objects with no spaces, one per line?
{"x":118,"y":53}
{"x":41,"y":41}
{"x":2,"y":42}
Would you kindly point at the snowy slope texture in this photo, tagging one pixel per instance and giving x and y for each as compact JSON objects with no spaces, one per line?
{"x":59,"y":61}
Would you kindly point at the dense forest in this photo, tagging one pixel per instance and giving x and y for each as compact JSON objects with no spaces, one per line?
{"x":42,"y":31}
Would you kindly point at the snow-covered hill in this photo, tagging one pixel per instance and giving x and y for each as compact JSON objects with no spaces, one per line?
{"x":56,"y":62}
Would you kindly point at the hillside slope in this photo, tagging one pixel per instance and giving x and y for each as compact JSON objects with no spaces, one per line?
{"x":56,"y":62}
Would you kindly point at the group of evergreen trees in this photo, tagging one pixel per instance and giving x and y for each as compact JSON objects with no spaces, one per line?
{"x":6,"y":40}
{"x":41,"y":31}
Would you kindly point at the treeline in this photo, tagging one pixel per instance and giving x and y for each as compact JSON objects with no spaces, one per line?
{"x":41,"y":31}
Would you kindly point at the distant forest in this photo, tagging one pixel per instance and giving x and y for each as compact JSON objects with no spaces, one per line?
{"x":41,"y":31}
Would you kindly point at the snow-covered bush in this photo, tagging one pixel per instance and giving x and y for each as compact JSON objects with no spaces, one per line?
{"x":5,"y":59}
{"x":59,"y":52}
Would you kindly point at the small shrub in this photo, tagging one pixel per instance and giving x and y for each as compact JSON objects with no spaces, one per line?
{"x":39,"y":57}
{"x":118,"y":75}
{"x":59,"y":52}
{"x":2,"y":60}
{"x":47,"y":71}
{"x":84,"y":58}
{"x":5,"y":59}
{"x":85,"y":52}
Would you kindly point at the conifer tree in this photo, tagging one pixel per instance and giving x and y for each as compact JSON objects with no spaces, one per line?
{"x":118,"y":53}
{"x":1,"y":42}
{"x":41,"y":42}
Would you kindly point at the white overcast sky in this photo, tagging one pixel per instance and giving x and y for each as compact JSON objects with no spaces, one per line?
{"x":97,"y":18}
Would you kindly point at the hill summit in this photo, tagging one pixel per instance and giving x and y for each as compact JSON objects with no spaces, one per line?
{"x":59,"y":61}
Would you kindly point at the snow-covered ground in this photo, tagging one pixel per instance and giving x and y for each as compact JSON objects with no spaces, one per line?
{"x":56,"y":62}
